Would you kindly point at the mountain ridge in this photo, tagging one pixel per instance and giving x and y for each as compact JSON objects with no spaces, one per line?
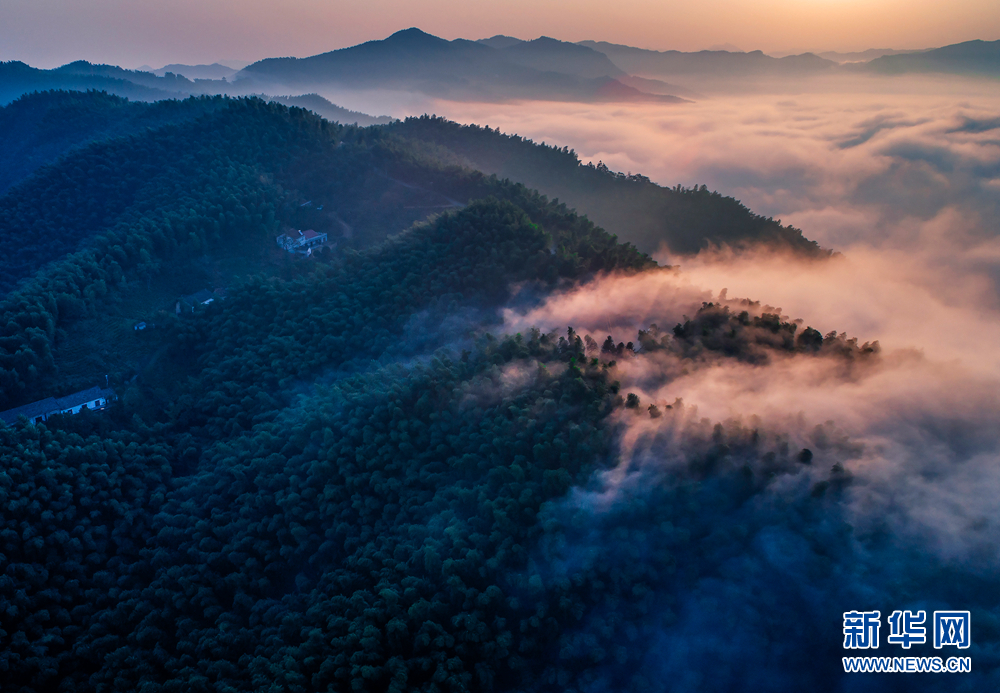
{"x":976,"y":57}
{"x":645,"y":63}
{"x":415,"y":60}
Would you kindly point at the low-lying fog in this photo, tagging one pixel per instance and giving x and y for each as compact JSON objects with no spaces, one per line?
{"x":902,"y":178}
{"x":904,"y":182}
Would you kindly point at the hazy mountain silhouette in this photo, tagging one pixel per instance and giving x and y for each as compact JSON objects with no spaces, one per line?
{"x":172,"y":82}
{"x":500,"y":41}
{"x":862,"y":56}
{"x":549,"y":54}
{"x":413,"y":60}
{"x":17,"y":78}
{"x":658,"y":86}
{"x":647,"y":63}
{"x":495,"y":69}
{"x":726,"y":47}
{"x":213,"y":71}
{"x":321,"y":107}
{"x":969,"y":58}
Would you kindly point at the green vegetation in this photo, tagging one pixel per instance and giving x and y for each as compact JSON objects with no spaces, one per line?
{"x":120,"y":212}
{"x":38,"y":128}
{"x":684,"y":220}
{"x":382,"y":533}
{"x":337,"y":479}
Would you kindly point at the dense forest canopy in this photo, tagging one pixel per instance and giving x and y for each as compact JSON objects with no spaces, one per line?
{"x":344,"y":476}
{"x":38,"y":128}
{"x":115,"y":213}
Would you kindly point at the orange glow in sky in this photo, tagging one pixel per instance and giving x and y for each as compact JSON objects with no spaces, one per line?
{"x":47,"y":33}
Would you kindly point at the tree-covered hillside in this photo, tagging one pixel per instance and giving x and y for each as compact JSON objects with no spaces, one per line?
{"x":684,"y":220}
{"x":342,"y":477}
{"x":110,"y":221}
{"x":387,"y":530}
{"x":426,"y":526}
{"x":38,"y":128}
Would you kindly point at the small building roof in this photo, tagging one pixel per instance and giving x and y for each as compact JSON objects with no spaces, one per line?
{"x":51,"y":405}
{"x":40,"y":408}
{"x":309,"y":234}
{"x":199,"y":297}
{"x":83,"y":396}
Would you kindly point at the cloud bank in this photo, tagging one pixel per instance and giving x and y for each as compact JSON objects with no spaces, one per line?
{"x":791,"y":488}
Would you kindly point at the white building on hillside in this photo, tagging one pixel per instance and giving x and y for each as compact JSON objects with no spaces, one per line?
{"x":296,"y":240}
{"x":94,"y":398}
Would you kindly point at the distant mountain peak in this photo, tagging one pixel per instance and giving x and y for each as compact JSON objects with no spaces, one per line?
{"x":76,"y":65}
{"x":414,"y":36}
{"x":728,"y":47}
{"x":500,"y":41}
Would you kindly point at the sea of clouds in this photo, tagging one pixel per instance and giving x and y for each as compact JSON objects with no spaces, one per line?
{"x":900,"y":176}
{"x":902,"y":179}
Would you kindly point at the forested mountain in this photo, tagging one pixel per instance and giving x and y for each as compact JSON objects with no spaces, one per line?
{"x":412,"y":60}
{"x":339,"y":478}
{"x":684,"y":220}
{"x":38,"y":128}
{"x":118,"y":212}
{"x":391,"y":530}
{"x":85,"y":231}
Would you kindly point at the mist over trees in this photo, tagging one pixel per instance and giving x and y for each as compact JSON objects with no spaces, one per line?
{"x":684,"y":220}
{"x":115,"y":211}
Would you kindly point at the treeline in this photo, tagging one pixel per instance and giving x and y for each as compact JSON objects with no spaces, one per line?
{"x":685,"y":220}
{"x":718,"y":328}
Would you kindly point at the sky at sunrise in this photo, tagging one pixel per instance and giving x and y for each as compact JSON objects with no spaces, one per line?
{"x":48,"y":33}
